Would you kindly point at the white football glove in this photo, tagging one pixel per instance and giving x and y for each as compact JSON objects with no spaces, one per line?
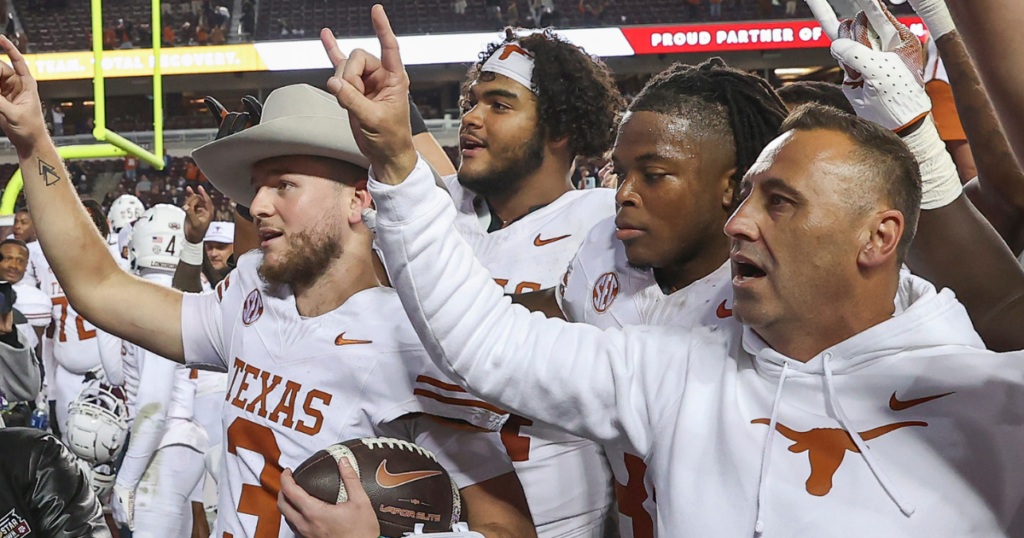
{"x":883,"y":64}
{"x":122,"y":504}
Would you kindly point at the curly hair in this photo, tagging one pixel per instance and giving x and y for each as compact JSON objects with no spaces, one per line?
{"x":576,"y":96}
{"x":732,"y":104}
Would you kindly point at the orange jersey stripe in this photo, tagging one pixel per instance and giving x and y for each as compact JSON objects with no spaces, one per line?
{"x":439,"y":384}
{"x":459,"y":401}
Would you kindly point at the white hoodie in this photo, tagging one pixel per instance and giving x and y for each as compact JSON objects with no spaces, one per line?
{"x":906,"y":429}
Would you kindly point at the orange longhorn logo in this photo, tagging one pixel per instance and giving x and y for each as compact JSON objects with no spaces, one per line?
{"x":510,"y":48}
{"x":826,"y":448}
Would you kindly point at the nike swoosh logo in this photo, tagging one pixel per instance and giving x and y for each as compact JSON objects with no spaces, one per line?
{"x":896,"y":405}
{"x":723,"y":312}
{"x":389,"y":480}
{"x":341,"y":341}
{"x":538,"y":242}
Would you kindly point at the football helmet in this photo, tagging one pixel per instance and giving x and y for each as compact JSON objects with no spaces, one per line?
{"x":156,"y":239}
{"x":125,"y":210}
{"x":97,"y":424}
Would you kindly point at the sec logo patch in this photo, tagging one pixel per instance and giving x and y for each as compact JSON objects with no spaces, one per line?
{"x":252,"y":308}
{"x":605,"y":291}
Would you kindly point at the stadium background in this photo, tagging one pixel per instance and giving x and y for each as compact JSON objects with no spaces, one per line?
{"x":232,"y":48}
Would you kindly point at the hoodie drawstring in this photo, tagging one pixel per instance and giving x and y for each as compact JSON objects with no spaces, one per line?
{"x":766,"y":456}
{"x":869,"y":458}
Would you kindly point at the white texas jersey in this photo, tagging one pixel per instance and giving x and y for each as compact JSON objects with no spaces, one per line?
{"x":35,"y":271}
{"x":566,"y":479}
{"x":600,"y":288}
{"x":35,"y":306}
{"x":300,"y":384}
{"x":75,"y":346}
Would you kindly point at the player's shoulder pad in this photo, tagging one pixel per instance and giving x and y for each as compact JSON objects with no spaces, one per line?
{"x":600,"y":251}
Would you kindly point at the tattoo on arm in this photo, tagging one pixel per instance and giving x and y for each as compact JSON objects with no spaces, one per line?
{"x":49,"y":173}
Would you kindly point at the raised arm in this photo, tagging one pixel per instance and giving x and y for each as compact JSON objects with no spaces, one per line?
{"x":90,"y":277}
{"x":991,"y":30}
{"x":955,"y":246}
{"x":574,"y":376}
{"x":198,"y":215}
{"x":999,"y":190}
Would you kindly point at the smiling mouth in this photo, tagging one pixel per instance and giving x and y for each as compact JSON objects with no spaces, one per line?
{"x":471,"y":145}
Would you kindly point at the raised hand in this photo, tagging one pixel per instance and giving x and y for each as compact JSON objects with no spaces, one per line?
{"x":198,"y":215}
{"x":375,"y":93}
{"x":881,"y":60}
{"x":21,"y":114}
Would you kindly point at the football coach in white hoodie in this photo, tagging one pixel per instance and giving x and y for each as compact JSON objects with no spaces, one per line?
{"x":841,"y":398}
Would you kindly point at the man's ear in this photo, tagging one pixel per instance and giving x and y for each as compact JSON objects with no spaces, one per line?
{"x":360,"y":201}
{"x":728,"y":189}
{"x":884,"y":231}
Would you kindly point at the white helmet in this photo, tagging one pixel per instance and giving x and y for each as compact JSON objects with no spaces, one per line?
{"x":102,"y":479}
{"x":97,"y":424}
{"x":125,"y":210}
{"x":156,"y":239}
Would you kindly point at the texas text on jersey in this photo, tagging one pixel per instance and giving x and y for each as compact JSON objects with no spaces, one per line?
{"x":281,"y":406}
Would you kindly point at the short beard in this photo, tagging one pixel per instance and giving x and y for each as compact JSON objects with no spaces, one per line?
{"x":521,"y":162}
{"x":307,"y":259}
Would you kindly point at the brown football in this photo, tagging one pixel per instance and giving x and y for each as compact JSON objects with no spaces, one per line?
{"x":405,"y":483}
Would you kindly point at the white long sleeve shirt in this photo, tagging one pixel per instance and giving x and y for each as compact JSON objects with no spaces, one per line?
{"x":909,"y":428}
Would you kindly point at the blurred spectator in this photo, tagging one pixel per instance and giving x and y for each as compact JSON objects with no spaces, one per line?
{"x":791,"y":8}
{"x":131,"y":163}
{"x":692,"y":8}
{"x":248,"y":22}
{"x":202,"y":34}
{"x":187,"y":33}
{"x":223,"y":17}
{"x":57,"y":115}
{"x":168,"y":37}
{"x":217,"y":36}
{"x":145,"y":35}
{"x":536,"y":10}
{"x":109,"y":39}
{"x":494,"y":12}
{"x":460,"y":7}
{"x":715,"y":7}
{"x":144,"y":185}
{"x":512,"y":18}
{"x":764,"y":9}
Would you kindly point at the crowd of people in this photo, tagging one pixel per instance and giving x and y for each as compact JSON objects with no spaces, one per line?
{"x":796,"y":313}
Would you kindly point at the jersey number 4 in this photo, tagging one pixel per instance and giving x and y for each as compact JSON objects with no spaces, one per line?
{"x":83,"y":334}
{"x":261,"y":500}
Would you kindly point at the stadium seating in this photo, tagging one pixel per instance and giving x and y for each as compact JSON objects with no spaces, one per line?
{"x":68,"y":28}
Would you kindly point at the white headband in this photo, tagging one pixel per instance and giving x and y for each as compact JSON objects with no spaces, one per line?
{"x":514,"y":62}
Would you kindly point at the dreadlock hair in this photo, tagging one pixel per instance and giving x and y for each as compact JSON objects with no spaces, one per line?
{"x":576,"y":95}
{"x":726,"y":103}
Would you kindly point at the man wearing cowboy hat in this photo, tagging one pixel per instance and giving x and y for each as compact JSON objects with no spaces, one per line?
{"x":317,"y":350}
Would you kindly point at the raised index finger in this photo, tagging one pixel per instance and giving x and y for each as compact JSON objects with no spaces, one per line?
{"x":389,"y":54}
{"x":826,"y":16}
{"x":331,"y":46}
{"x":17,"y":60}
